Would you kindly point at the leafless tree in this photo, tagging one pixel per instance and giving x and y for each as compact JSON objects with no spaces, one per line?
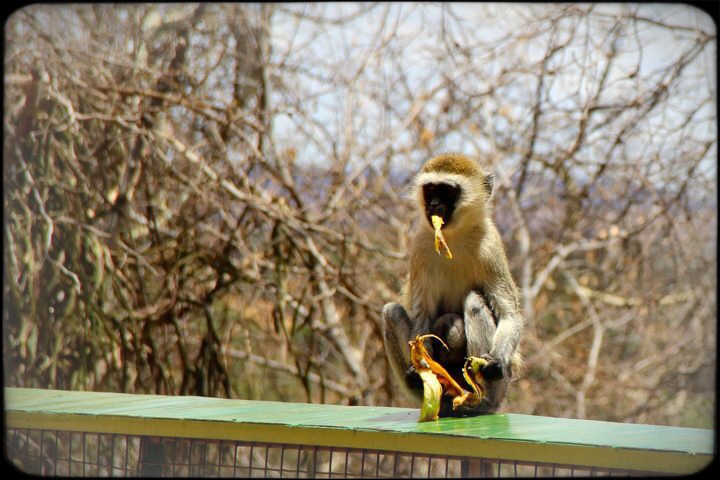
{"x":210,"y":199}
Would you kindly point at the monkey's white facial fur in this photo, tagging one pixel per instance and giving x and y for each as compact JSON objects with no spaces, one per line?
{"x":447,"y":195}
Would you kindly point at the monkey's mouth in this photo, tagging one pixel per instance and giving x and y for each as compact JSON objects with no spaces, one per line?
{"x":445,"y":220}
{"x":440,"y":210}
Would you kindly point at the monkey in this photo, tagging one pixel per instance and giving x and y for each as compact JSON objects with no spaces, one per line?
{"x":469,"y":301}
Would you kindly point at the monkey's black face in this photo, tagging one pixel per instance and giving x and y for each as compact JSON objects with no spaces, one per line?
{"x":440,"y":199}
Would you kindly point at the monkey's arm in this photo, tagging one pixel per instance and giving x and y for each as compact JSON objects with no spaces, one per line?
{"x":480,"y":332}
{"x":401,"y":325}
{"x":414,"y":298}
{"x":397,"y":329}
{"x":504,"y":302}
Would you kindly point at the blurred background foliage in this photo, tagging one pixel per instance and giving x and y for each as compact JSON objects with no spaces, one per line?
{"x":212,"y":199}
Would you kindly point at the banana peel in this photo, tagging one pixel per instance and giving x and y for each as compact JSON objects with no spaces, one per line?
{"x":438,"y":222}
{"x":431,"y":374}
{"x":432,"y":391}
{"x":473,"y":376}
{"x":437,"y":381}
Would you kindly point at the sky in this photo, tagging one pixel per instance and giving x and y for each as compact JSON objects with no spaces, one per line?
{"x":343,"y":48}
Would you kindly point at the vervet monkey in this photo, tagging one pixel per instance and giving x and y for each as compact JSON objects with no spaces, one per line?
{"x":469,"y":300}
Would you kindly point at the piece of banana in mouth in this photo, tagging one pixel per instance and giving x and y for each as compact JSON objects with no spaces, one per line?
{"x":438,"y":222}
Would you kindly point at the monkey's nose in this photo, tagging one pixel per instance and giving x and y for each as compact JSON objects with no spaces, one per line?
{"x":440,"y":210}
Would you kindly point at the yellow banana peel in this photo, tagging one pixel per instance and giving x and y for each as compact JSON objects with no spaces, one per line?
{"x":432,"y":391}
{"x":437,"y":381}
{"x":472,"y":375}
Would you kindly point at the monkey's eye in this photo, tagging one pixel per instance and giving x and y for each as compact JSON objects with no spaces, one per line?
{"x":445,"y":193}
{"x":432,"y":190}
{"x":448,"y":191}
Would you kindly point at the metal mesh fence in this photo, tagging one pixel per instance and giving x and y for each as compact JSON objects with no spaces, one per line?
{"x":84,"y":454}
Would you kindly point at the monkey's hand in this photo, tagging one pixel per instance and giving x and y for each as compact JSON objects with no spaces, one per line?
{"x":493,"y":370}
{"x":413,"y":380}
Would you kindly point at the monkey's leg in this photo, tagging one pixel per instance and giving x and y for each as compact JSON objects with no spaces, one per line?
{"x":479,"y":324}
{"x":479,"y":332}
{"x":396,"y":334}
{"x":451,"y":329}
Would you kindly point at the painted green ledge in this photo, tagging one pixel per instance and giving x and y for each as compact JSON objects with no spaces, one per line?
{"x":504,"y":436}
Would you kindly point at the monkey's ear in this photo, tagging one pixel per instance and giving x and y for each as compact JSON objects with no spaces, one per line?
{"x":489,"y":183}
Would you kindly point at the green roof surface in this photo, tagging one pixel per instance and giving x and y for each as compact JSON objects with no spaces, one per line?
{"x":579,"y":441}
